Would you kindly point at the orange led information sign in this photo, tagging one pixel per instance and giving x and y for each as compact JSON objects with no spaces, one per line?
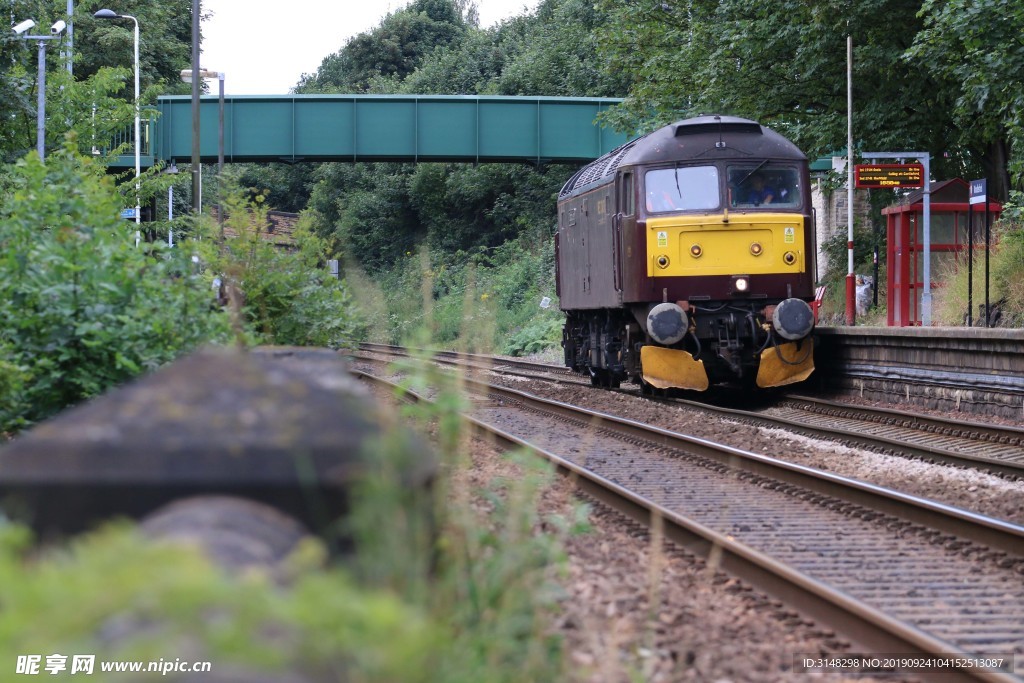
{"x":888,"y":175}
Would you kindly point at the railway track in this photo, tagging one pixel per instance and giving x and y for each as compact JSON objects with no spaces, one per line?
{"x":994,"y":449}
{"x":894,"y":573}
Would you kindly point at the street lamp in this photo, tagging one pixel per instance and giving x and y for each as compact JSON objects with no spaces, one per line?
{"x":186,"y":76}
{"x":170,"y":170}
{"x":55,"y":31}
{"x":111,"y":14}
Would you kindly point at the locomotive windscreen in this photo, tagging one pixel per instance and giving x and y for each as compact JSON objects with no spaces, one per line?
{"x":757,"y":186}
{"x":684,"y":188}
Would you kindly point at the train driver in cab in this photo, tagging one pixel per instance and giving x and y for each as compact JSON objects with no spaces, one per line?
{"x":759,"y":192}
{"x":659,"y":200}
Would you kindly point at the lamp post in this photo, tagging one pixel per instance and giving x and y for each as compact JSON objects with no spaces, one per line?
{"x":186,"y":76}
{"x":69,"y":49}
{"x":170,"y":170}
{"x":55,"y":31}
{"x":111,"y":14}
{"x":197,"y":179}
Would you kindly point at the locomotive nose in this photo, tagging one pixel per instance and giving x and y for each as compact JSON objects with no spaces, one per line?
{"x":667,"y":323}
{"x":793,"y":319}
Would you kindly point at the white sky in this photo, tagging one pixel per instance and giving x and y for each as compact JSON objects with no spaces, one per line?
{"x":264,"y":47}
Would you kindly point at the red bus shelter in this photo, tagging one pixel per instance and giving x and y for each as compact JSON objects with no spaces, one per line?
{"x":949,"y":237}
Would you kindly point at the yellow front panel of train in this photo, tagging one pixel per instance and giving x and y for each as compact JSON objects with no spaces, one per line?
{"x":748,"y":244}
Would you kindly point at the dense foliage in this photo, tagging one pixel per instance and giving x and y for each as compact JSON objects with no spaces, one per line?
{"x":394,"y":49}
{"x":934,"y":76}
{"x":82,"y":309}
{"x":280,"y":296}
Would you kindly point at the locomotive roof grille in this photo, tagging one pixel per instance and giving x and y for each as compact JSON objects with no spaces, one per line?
{"x":596,"y":170}
{"x":729,"y":127}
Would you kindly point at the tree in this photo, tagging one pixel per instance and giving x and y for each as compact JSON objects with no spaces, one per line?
{"x":556,"y":53}
{"x":784,"y":64}
{"x":977,"y":46}
{"x":165,"y":41}
{"x":394,"y":49}
{"x":285,"y":187}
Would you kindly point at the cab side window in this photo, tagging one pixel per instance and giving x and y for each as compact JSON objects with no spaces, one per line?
{"x":626,"y":200}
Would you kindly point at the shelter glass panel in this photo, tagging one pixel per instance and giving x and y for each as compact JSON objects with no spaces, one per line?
{"x":944,"y":266}
{"x":979,"y":227}
{"x":943,"y":228}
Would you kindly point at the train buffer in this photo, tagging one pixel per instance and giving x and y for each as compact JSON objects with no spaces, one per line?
{"x":283,"y":427}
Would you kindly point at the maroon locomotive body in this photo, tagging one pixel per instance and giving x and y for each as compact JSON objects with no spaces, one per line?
{"x":686,"y":258}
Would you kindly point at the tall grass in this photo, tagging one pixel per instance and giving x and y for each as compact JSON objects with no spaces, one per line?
{"x":1006,"y":281}
{"x":488,"y":299}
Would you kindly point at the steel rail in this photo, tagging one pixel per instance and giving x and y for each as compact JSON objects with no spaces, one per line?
{"x":996,"y":434}
{"x":900,"y":447}
{"x":866,"y":625}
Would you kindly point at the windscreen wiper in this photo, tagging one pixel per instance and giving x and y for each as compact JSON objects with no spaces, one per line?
{"x":756,"y":169}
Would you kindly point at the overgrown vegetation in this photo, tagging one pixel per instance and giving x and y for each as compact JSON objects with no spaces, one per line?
{"x":473,"y":603}
{"x":1006,"y":284}
{"x":487,"y":298}
{"x":81,"y":309}
{"x":281,"y":296}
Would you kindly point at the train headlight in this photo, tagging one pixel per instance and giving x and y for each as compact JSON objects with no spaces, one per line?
{"x":756,"y":249}
{"x":662,"y":261}
{"x":740,"y":284}
{"x":793,"y":319}
{"x":696,"y":251}
{"x":789,"y":258}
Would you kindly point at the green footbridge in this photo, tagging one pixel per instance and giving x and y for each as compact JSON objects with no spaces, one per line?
{"x":458,"y":128}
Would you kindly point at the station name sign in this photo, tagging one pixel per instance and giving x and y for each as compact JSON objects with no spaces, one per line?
{"x":888,"y":175}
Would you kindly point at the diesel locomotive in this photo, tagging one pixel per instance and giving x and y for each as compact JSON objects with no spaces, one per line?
{"x":685,"y":258}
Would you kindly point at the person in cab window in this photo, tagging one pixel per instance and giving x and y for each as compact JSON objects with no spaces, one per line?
{"x":759,"y":192}
{"x":660,"y":200}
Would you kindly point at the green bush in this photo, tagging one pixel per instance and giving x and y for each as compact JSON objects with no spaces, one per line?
{"x":81,"y":308}
{"x":543,"y":333}
{"x":114,"y":594}
{"x":482,"y":298}
{"x":282,"y":296}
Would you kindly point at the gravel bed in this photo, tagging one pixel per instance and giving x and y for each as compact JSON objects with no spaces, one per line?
{"x":972,"y":490}
{"x":637,"y":610}
{"x":976,"y":491}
